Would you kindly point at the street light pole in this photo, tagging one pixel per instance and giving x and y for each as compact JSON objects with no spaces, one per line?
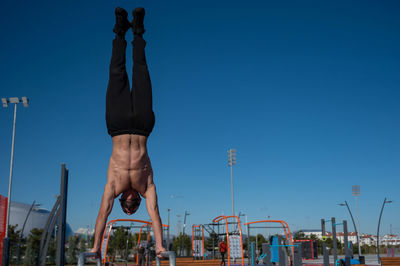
{"x":168,"y":230}
{"x":5,"y":102}
{"x":231,"y":163}
{"x":354,"y":224}
{"x":379,"y":223}
{"x":183,"y":231}
{"x":356,"y":194}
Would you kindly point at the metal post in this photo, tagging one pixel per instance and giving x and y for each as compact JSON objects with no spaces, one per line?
{"x":62,"y":217}
{"x":233,"y":199}
{"x":358,"y":226}
{"x":11,"y":170}
{"x":168,"y":231}
{"x":333,"y":222}
{"x":354,"y":224}
{"x":346,"y":239}
{"x":325,"y":252}
{"x":379,"y":223}
{"x":231,"y":162}
{"x":183,"y":232}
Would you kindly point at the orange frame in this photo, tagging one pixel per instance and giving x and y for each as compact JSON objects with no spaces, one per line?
{"x":109,"y":227}
{"x":223,"y":217}
{"x":202,"y":239}
{"x":285,"y":229}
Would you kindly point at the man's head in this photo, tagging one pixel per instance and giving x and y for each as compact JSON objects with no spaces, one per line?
{"x":130,"y":201}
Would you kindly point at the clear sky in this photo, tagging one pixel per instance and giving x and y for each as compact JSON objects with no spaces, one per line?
{"x":306,"y":91}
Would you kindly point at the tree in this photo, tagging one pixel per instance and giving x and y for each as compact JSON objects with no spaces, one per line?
{"x":13,"y":235}
{"x":32,"y":246}
{"x":177,"y":244}
{"x":299,"y":235}
{"x":72,"y":251}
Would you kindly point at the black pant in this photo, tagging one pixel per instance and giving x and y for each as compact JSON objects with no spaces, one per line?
{"x":223,"y":258}
{"x":129,"y":112}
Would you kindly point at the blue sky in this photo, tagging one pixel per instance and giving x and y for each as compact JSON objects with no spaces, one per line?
{"x":306,"y":91}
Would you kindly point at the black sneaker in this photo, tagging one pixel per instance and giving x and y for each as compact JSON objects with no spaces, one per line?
{"x":121,"y":21}
{"x":137,"y":22}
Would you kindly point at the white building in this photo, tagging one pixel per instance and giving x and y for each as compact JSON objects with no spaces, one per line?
{"x":389,"y":240}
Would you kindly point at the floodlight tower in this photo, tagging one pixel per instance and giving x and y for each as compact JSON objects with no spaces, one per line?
{"x":356,"y":194}
{"x":231,"y":163}
{"x":5,"y":102}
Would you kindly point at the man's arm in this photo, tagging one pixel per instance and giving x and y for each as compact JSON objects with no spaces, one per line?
{"x":107,"y":203}
{"x":152,"y":209}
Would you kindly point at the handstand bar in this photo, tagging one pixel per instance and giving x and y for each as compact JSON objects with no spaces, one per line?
{"x":84,"y":255}
{"x":170,"y":255}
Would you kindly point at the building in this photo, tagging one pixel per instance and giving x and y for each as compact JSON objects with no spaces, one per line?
{"x":37,"y":218}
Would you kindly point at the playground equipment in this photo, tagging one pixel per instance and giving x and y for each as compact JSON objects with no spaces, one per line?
{"x":309,"y":248}
{"x":232,"y":229}
{"x":275,"y":250}
{"x":110,"y":226}
{"x":108,"y":232}
{"x":198,"y":242}
{"x":348,"y":251}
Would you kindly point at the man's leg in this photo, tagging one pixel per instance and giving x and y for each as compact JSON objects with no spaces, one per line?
{"x":141,"y":84}
{"x":118,"y":101}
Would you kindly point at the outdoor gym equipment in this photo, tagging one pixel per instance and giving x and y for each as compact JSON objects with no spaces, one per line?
{"x":347,"y":245}
{"x":308,"y":248}
{"x":107,"y":234}
{"x":283,"y":225}
{"x":198,"y":244}
{"x":233,"y":237}
{"x":275,"y":252}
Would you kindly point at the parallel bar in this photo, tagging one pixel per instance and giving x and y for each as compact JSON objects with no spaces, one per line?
{"x":170,"y":255}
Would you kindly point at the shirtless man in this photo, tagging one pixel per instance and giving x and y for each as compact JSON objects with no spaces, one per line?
{"x":130,"y":120}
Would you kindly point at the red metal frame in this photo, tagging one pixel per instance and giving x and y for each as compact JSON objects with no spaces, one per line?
{"x":223,"y":217}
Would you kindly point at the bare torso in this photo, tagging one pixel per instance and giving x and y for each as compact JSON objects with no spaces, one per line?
{"x":130,"y":166}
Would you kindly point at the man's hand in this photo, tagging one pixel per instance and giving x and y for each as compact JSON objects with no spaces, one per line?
{"x":97,"y":251}
{"x":160,"y":250}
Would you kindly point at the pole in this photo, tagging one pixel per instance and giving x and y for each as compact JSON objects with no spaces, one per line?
{"x":168,"y":231}
{"x":333,"y":222}
{"x":355,"y":228}
{"x":358,"y":225}
{"x":325,"y":252}
{"x":377,"y":233}
{"x":11,"y":170}
{"x":232,"y":195}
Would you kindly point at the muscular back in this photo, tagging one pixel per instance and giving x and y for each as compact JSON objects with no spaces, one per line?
{"x":130,"y":165}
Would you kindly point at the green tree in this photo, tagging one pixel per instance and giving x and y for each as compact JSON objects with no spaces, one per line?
{"x":72,"y":251}
{"x":208,"y":243}
{"x":32,"y":246}
{"x":14,"y":235}
{"x":177,"y":244}
{"x":299,"y":235}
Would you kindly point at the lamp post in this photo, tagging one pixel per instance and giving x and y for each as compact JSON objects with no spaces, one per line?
{"x":169,"y":210}
{"x":183,"y":231}
{"x":5,"y":102}
{"x":231,"y":163}
{"x":356,"y":194}
{"x":379,"y":223}
{"x":354,"y":224}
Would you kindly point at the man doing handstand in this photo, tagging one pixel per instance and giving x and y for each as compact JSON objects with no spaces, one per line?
{"x":130,"y":120}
